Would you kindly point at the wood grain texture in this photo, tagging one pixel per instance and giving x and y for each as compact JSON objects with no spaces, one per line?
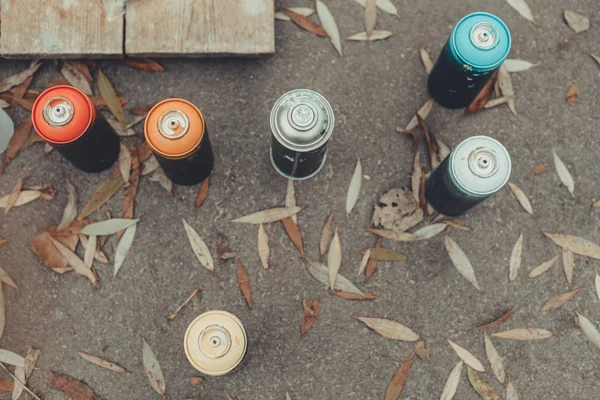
{"x":200,"y":27}
{"x":64,"y":28}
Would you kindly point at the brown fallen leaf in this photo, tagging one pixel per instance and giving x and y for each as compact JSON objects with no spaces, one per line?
{"x":83,"y":68}
{"x":484,"y":96}
{"x":485,"y":390}
{"x":399,"y":379}
{"x":19,"y":92}
{"x":202,"y":193}
{"x":196,"y":380}
{"x":422,"y":351}
{"x":390,"y":329}
{"x":572,"y":95}
{"x":415,"y":179}
{"x":57,"y":82}
{"x":17,"y":141}
{"x":18,"y":78}
{"x":110,"y":97}
{"x":6,"y":385}
{"x":75,"y":389}
{"x":77,"y":264}
{"x":432,"y":146}
{"x":101,"y":362}
{"x":382,"y":254}
{"x":423,"y":204}
{"x":103,"y":194}
{"x":181,"y":307}
{"x":14,"y":195}
{"x":223,"y":249}
{"x":537,"y":170}
{"x":99,"y":102}
{"x":524,"y":334}
{"x":326,"y":235}
{"x":354,"y":296}
{"x":498,"y":321}
{"x":45,"y":249}
{"x":294,"y":233}
{"x":457,"y":226}
{"x":372,"y":264}
{"x":304,"y":22}
{"x":244,"y":282}
{"x":559,"y":300}
{"x":423,"y":112}
{"x":130,"y":191}
{"x":311,"y":311}
{"x":141,"y":110}
{"x":575,"y":244}
{"x":144,"y":64}
{"x":144,"y":152}
{"x":76,"y":78}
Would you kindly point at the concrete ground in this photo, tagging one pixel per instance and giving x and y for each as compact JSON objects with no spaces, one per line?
{"x":373,"y":88}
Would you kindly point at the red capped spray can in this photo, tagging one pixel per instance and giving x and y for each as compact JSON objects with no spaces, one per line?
{"x":66,"y":118}
{"x":176,"y":131}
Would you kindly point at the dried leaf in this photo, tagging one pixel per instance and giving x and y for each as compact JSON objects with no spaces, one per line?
{"x":321,"y":273}
{"x":244,"y":282}
{"x":103,"y":194}
{"x":90,"y":250}
{"x":515,"y":259}
{"x":397,"y":236}
{"x":100,"y":103}
{"x":185,"y":303}
{"x":572,"y":95}
{"x":144,"y":64}
{"x":48,"y":149}
{"x":575,"y":244}
{"x":568,"y":263}
{"x":199,"y":247}
{"x":196,"y":380}
{"x":57,"y":82}
{"x":123,"y":248}
{"x":397,"y":210}
{"x":311,"y":310}
{"x":423,"y":112}
{"x":16,"y":79}
{"x":589,"y":329}
{"x":160,"y":177}
{"x":125,"y":162}
{"x":511,"y":392}
{"x":4,"y":104}
{"x":452,"y":382}
{"x":429,"y":231}
{"x":467,"y":357}
{"x":141,"y":110}
{"x":14,"y":195}
{"x":384,"y":5}
{"x":521,"y":197}
{"x":17,"y":141}
{"x":577,"y":22}
{"x":423,"y":352}
{"x":363,"y":262}
{"x":304,"y":22}
{"x":370,"y":16}
{"x":499,"y":101}
{"x":372,"y":264}
{"x":6,"y":385}
{"x":43,"y":247}
{"x":431,"y":145}
{"x":457,"y":226}
{"x":483,"y":97}
{"x":506,"y":86}
{"x":290,"y":197}
{"x":152,"y":369}
{"x":76,"y":78}
{"x":108,"y":226}
{"x":498,"y":321}
{"x":202,"y":193}
{"x":8,"y":357}
{"x":522,"y":8}
{"x":130,"y":191}
{"x":4,"y":278}
{"x":537,"y":170}
{"x":375,"y":35}
{"x":101,"y":362}
{"x":494,"y":359}
{"x":399,"y":379}
{"x":294,"y":233}
{"x":354,"y":296}
{"x":543,"y":267}
{"x":77,"y":263}
{"x":70,"y":212}
{"x":513,"y":65}
{"x":334,"y":258}
{"x":304,"y":11}
{"x":152,"y":164}
{"x":110,"y":97}
{"x":559,"y":300}
{"x":390,"y":329}
{"x":263,"y":246}
{"x":460,"y":261}
{"x":524,"y":334}
{"x":329,"y":25}
{"x":223,"y":249}
{"x":267,"y":216}
{"x":19,"y":381}
{"x":415,"y":179}
{"x":84,"y":68}
{"x":75,"y":389}
{"x":354,"y":188}
{"x":598,"y":285}
{"x":426,"y":60}
{"x":485,"y":390}
{"x":382,"y":254}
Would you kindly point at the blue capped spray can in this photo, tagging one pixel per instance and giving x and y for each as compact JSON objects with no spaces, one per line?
{"x":477,"y":47}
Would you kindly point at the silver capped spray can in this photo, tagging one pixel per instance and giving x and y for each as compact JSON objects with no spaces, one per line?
{"x":475,"y":169}
{"x":301,"y":124}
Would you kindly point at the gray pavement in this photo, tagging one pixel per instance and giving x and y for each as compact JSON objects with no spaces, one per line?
{"x":373,"y":88}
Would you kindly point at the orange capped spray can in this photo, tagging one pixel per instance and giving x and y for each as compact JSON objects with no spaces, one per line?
{"x":67,"y":119}
{"x":176,"y":131}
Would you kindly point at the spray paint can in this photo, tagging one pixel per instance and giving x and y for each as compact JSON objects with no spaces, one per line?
{"x":477,"y":47}
{"x":176,"y":131}
{"x":301,"y":124}
{"x":67,"y":119}
{"x":216,"y":343}
{"x":475,"y":169}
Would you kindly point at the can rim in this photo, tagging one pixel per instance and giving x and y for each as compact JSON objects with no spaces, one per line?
{"x":293,"y":146}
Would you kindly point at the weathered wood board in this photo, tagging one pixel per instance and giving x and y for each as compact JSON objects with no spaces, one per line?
{"x":62,"y":28}
{"x":199,"y":27}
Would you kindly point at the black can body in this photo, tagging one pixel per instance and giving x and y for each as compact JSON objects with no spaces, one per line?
{"x":445,"y":196}
{"x":294,"y":164}
{"x":191,"y":169}
{"x":452,"y":85}
{"x":94,"y":151}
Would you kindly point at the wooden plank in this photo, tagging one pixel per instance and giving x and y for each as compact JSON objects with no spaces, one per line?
{"x":61,"y":28}
{"x":199,"y":27}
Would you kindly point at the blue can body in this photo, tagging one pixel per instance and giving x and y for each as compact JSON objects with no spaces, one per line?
{"x":476,"y":48}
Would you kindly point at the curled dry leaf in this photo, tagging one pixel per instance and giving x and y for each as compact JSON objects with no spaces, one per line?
{"x":423,"y":112}
{"x":144,"y":64}
{"x":415,"y":179}
{"x":303,"y":22}
{"x":16,"y":79}
{"x":101,"y":362}
{"x":537,"y":170}
{"x":494,"y":359}
{"x":182,"y":305}
{"x":108,"y":226}
{"x":460,"y":261}
{"x":267,"y":216}
{"x":202,"y":193}
{"x":515,"y":259}
{"x":577,"y":22}
{"x":326,"y":235}
{"x":16,"y":142}
{"x":452,"y":382}
{"x":354,"y":296}
{"x":321,"y":273}
{"x":263,"y":246}
{"x":484,"y":95}
{"x":568,"y":264}
{"x":559,"y":300}
{"x":397,"y":210}
{"x":110,"y":97}
{"x":311,"y":310}
{"x":589,"y":330}
{"x":431,"y":144}
{"x":399,"y":379}
{"x":199,"y":247}
{"x":513,"y":65}
{"x":506,"y":87}
{"x":498,"y":321}
{"x":426,"y":60}
{"x":521,"y":197}
{"x":244,"y":283}
{"x":370,"y":16}
{"x":372,"y":264}
{"x":485,"y":390}
{"x":390,"y":329}
{"x":524,"y":334}
{"x":575,"y":244}
{"x":572,"y":95}
{"x":304,"y":11}
{"x":294,"y":233}
{"x":70,"y":212}
{"x":72,"y":387}
{"x":543,"y":267}
{"x":375,"y":35}
{"x":123,"y":248}
{"x":354,"y":188}
{"x":467,"y":357}
{"x":76,"y":78}
{"x":77,"y":263}
{"x":522,"y":8}
{"x":290,"y":197}
{"x":334,"y":258}
{"x":103,"y":194}
{"x":329,"y":25}
{"x":153,"y":370}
